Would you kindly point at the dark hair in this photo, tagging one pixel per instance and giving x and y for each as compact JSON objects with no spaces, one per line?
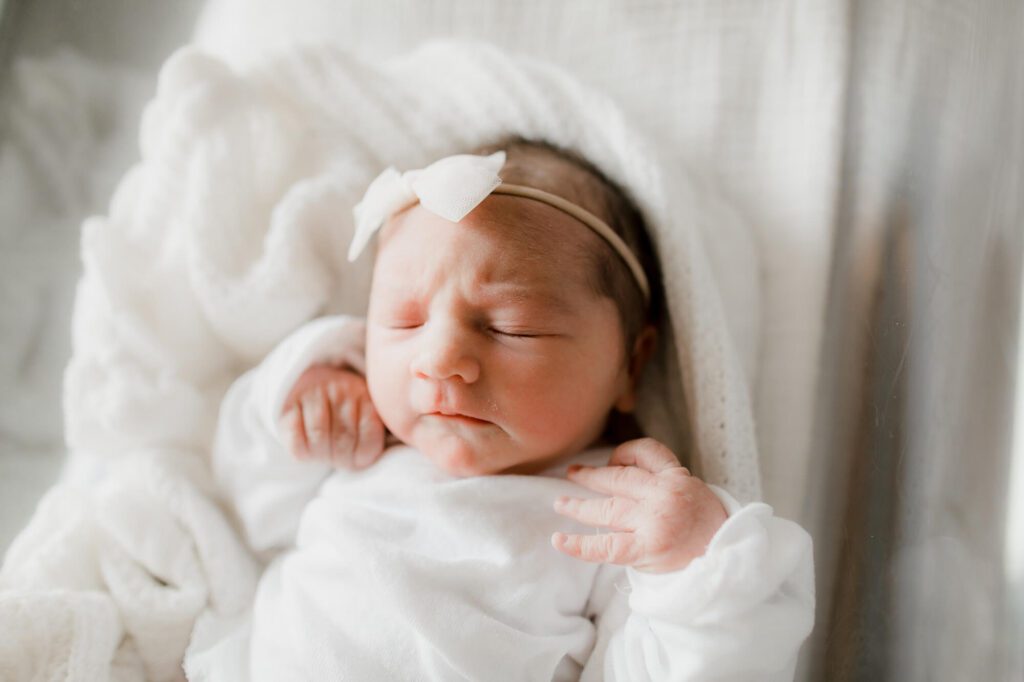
{"x":545,"y":166}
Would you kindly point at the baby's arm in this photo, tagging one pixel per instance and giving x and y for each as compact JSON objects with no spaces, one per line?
{"x":738,"y":610}
{"x":266,"y":485}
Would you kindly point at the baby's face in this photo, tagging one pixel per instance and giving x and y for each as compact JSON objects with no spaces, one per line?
{"x":486,"y":352}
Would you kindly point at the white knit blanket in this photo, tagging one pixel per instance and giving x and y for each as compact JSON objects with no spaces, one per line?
{"x":232,"y":231}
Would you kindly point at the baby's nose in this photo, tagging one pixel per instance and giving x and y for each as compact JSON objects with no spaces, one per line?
{"x":446,"y":354}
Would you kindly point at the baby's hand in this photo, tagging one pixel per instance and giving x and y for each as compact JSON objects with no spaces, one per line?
{"x":665,"y":516}
{"x":329,"y":416}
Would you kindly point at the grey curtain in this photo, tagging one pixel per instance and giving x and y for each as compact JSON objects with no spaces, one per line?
{"x":913,"y":477}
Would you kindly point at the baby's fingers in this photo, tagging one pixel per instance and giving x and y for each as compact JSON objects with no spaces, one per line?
{"x":624,"y":481}
{"x":371,"y":435}
{"x":343,"y":429}
{"x":294,"y":432}
{"x":608,"y":512}
{"x":316,"y":419}
{"x":612,"y":548}
{"x":645,"y":453}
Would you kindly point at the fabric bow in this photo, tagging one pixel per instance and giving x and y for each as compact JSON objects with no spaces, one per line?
{"x":450,"y":188}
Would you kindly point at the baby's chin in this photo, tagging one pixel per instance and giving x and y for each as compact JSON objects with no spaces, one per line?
{"x":456,"y":457}
{"x":462,"y":457}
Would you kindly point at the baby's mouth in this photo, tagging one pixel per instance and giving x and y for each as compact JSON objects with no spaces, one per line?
{"x":458,"y":418}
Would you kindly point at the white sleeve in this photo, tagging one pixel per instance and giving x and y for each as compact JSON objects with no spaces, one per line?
{"x":265,"y":486}
{"x":739,"y":612}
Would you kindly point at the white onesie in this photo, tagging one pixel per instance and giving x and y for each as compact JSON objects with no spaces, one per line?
{"x":404,"y":572}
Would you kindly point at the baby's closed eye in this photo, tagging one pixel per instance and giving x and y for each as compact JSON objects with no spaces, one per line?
{"x":521,"y":324}
{"x":405,"y":314}
{"x":517,"y":332}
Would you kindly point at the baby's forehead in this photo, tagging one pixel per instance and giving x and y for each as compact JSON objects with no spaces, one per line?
{"x":534,"y":225}
{"x":518,"y":247}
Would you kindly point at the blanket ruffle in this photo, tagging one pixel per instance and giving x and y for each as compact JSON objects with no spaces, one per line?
{"x":114,"y":576}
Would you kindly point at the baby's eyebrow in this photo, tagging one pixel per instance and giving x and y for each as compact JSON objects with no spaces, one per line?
{"x":517,"y":294}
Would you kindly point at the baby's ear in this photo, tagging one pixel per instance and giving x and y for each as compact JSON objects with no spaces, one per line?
{"x":643,"y":348}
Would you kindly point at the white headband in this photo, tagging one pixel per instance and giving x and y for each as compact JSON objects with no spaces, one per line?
{"x":452,"y":187}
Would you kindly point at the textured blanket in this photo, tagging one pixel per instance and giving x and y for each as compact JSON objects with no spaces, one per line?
{"x":231,"y":232}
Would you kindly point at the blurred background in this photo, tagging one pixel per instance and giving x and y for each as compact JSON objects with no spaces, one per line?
{"x":878,"y":146}
{"x":74,"y":76}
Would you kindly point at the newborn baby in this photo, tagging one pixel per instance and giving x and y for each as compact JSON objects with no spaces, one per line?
{"x":429,"y":486}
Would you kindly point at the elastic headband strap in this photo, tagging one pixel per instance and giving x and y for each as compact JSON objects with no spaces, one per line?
{"x":588,"y":219}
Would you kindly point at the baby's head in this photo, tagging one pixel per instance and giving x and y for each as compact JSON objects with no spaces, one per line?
{"x":504,"y":341}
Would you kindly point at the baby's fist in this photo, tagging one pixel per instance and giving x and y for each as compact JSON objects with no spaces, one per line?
{"x":664,"y":516}
{"x":328,"y":415}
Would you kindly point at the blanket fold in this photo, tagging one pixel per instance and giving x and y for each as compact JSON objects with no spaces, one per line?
{"x":112,"y":578}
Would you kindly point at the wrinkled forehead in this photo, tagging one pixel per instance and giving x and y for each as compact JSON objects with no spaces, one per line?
{"x":527,"y":240}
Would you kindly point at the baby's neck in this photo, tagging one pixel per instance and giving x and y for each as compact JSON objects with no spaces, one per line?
{"x":540,"y":465}
{"x":526,"y":468}
{"x":536,"y":466}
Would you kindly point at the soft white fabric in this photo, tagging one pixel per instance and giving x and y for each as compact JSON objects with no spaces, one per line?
{"x":403,"y":572}
{"x":109,"y":577}
{"x":58,"y":635}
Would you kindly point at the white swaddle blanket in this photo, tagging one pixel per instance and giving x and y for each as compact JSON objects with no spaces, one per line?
{"x":402,"y":571}
{"x":231,"y":232}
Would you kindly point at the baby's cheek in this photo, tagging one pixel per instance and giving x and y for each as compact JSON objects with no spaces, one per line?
{"x":577,"y":402}
{"x":551,"y":408}
{"x":386,"y":390}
